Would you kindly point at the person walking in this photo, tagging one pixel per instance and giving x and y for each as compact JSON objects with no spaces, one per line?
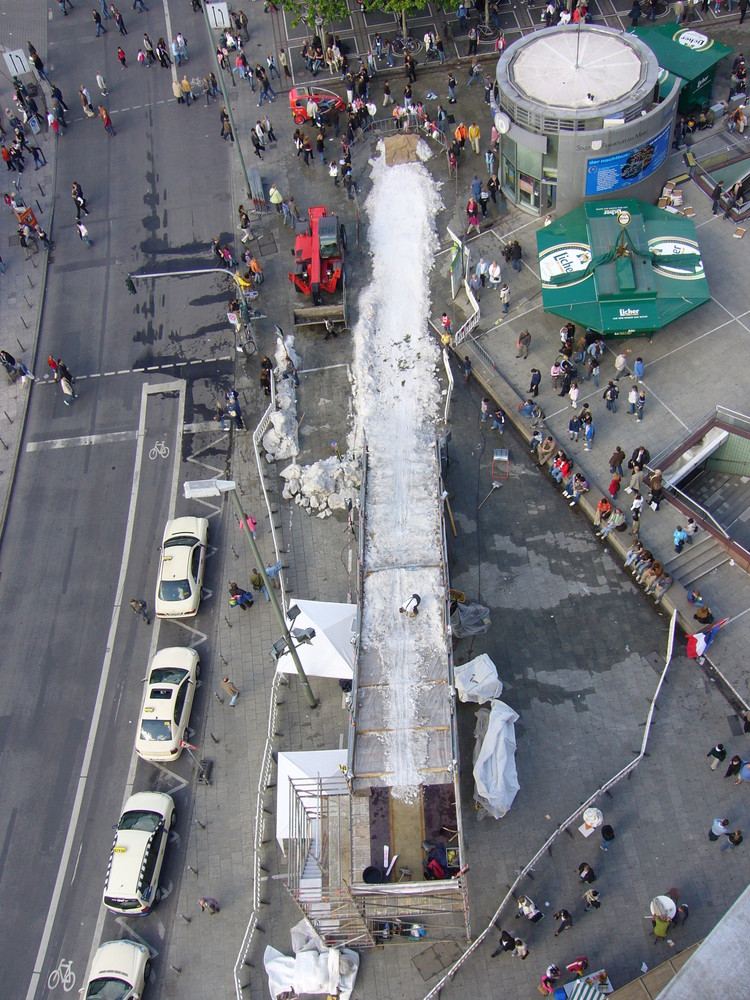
{"x":101,"y":84}
{"x":621,"y":365}
{"x":84,"y":234}
{"x":231,"y":690}
{"x":66,"y":380}
{"x":187,"y":89}
{"x":610,"y":395}
{"x":718,"y":829}
{"x":209,"y":905}
{"x":717,"y":753}
{"x":535,"y":382}
{"x":119,"y":20}
{"x":566,"y":921}
{"x":97,"y":18}
{"x":121,"y":57}
{"x":505,"y":296}
{"x":239,"y":598}
{"x":256,"y":582}
{"x":592,"y":899}
{"x":506,"y":943}
{"x":139,"y":609}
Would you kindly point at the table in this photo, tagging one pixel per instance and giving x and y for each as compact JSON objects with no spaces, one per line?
{"x":588,"y":987}
{"x":663,"y":906}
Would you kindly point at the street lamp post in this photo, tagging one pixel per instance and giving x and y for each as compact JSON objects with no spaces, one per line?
{"x":214,"y":488}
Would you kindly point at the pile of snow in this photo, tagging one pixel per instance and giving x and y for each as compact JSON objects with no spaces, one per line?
{"x":423,"y":149}
{"x":281,"y":439}
{"x":396,"y":405}
{"x":325,"y":486}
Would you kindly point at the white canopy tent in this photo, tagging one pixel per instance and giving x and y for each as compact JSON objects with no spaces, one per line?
{"x":331,"y":652}
{"x":302,"y":765}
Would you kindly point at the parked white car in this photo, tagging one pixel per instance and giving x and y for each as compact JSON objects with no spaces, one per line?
{"x":181,"y":567}
{"x":168,"y":695}
{"x":119,"y":972}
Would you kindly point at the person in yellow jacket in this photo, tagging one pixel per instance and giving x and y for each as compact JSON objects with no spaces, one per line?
{"x":462,"y":134}
{"x":474,"y":136}
{"x":275,"y":197}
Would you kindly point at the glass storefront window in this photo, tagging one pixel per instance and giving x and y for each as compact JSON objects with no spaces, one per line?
{"x":528,"y":191}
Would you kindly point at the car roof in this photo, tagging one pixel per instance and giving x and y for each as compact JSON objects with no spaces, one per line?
{"x":175,"y":561}
{"x":115,"y":958}
{"x":159,"y":709}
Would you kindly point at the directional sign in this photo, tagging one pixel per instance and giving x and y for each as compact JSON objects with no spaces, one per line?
{"x":218,"y":15}
{"x":17,"y":62}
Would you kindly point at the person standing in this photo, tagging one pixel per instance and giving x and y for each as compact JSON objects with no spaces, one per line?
{"x":732,"y":840}
{"x":521,"y":950}
{"x":566,"y":921}
{"x":640,"y":405}
{"x":718,"y":829}
{"x":231,"y":690}
{"x":121,"y":57}
{"x":505,"y":296}
{"x":610,"y":395}
{"x":523,"y":343}
{"x":621,"y":365}
{"x":138,"y":608}
{"x":187,"y":90}
{"x":716,"y":197}
{"x":106,"y":121}
{"x":717,"y":754}
{"x":586,"y":873}
{"x":534,"y":382}
{"x":616,"y":459}
{"x":284,"y":64}
{"x":101,"y":84}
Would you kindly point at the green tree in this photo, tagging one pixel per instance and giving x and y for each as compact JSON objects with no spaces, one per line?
{"x":312,"y":11}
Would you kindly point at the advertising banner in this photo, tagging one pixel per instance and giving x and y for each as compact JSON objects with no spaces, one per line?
{"x":620,"y":170}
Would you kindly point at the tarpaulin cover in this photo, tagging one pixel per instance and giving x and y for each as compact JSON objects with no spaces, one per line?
{"x":477,"y":680}
{"x":314,"y":970}
{"x":495,"y":776}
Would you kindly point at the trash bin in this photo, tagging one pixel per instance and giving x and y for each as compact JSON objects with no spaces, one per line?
{"x":372,"y":875}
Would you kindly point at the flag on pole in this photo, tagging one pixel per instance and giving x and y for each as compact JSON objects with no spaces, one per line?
{"x":698,"y":644}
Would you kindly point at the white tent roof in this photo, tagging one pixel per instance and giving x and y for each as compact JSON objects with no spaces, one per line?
{"x":300,"y":765}
{"x":331,"y":653}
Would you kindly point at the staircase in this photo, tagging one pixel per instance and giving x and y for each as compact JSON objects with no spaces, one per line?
{"x":697,"y":561}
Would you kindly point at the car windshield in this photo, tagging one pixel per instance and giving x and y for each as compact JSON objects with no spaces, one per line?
{"x":156,"y":730}
{"x":174,"y":590}
{"x":140,"y":819}
{"x":167,"y":675}
{"x":108,"y":989}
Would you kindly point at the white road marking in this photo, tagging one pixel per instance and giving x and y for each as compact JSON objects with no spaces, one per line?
{"x":80,"y":442}
{"x":166,"y":367}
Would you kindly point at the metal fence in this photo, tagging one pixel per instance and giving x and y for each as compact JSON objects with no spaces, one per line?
{"x":267,"y":761}
{"x":491,"y":927}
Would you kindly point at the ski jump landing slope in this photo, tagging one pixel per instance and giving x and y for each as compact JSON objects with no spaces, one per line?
{"x":403,"y":737}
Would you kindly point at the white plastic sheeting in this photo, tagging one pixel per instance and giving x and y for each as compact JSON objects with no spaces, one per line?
{"x":331,"y":653}
{"x":495,"y":776}
{"x":299,"y":765}
{"x":477,"y":680}
{"x":314,"y":969}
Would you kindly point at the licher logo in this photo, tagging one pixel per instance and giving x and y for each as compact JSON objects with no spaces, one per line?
{"x":629,"y":313}
{"x":692,"y":40}
{"x":564,"y":259}
{"x":671,"y":246}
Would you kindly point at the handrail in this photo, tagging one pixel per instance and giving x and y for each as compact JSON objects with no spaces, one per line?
{"x":717,"y":414}
{"x":695,"y":508}
{"x":360,"y":594}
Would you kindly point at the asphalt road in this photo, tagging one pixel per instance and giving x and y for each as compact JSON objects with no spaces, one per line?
{"x":90,"y":503}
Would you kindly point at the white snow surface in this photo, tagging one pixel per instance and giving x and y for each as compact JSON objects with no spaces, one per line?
{"x":397,"y":401}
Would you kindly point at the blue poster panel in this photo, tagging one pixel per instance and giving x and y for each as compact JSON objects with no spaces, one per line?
{"x":612,"y":173}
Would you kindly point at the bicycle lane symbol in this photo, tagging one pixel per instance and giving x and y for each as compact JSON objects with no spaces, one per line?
{"x":63,"y":976}
{"x":160,"y":450}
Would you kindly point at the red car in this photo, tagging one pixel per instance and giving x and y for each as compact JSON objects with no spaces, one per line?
{"x":325,"y":100}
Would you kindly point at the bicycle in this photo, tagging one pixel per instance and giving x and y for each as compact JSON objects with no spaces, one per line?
{"x":63,"y":976}
{"x":408,"y":44}
{"x":486,"y":31}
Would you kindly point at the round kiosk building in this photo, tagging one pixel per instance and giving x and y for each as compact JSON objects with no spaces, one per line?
{"x":580,"y":118}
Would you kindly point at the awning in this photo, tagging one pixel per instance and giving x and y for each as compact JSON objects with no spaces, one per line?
{"x":689,"y":54}
{"x":583,"y":991}
{"x":667,"y":81}
{"x":331,"y":652}
{"x":621,"y":267}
